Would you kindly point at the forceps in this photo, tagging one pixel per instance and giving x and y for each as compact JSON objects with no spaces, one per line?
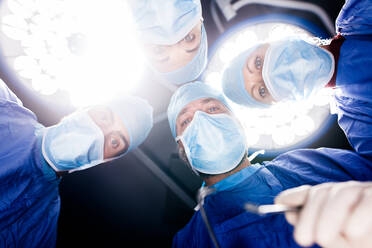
{"x":270,"y":209}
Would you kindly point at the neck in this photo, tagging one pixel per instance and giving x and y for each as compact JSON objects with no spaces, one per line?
{"x":334,"y":47}
{"x":328,"y":48}
{"x":216,"y":178}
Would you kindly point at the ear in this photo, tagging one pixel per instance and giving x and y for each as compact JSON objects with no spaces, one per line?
{"x":182,"y":153}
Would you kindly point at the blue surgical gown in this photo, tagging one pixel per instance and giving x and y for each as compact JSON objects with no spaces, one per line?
{"x":353,"y":95}
{"x":260,"y":184}
{"x":29,"y":199}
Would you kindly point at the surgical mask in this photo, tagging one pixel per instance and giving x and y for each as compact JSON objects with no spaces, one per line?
{"x":76,"y":143}
{"x":214,"y":144}
{"x":295,"y":69}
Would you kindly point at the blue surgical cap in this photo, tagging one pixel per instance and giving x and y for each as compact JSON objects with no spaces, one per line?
{"x":193,"y":69}
{"x":136,"y":115}
{"x":188,"y":93}
{"x":233,"y":82}
{"x":165,"y":22}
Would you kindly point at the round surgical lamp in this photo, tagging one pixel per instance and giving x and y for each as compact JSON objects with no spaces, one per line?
{"x":75,"y":52}
{"x":283,"y":126}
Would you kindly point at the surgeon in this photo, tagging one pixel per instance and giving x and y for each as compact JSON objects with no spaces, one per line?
{"x":173,"y":36}
{"x":213,"y":144}
{"x":33,"y":158}
{"x":290,"y":70}
{"x":333,"y":215}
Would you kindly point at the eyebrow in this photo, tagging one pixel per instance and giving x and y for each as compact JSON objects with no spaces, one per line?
{"x":194,"y":49}
{"x":183,"y":112}
{"x":207,"y":100}
{"x":247,"y":65}
{"x":253,"y":89}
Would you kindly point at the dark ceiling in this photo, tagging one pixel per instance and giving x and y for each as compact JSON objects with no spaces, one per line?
{"x":145,"y":197}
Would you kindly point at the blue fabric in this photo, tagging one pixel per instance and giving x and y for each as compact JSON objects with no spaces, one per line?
{"x":7,"y":94}
{"x":260,"y":184}
{"x":233,"y":180}
{"x":29,"y":199}
{"x":355,"y":18}
{"x":354,"y":75}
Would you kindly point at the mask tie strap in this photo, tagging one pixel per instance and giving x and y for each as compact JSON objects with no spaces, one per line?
{"x":255,"y":154}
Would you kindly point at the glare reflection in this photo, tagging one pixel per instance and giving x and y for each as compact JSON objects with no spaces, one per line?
{"x":84,"y":47}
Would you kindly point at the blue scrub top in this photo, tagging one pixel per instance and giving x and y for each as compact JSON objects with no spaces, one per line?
{"x":354,"y":75}
{"x":260,"y":184}
{"x":29,"y":199}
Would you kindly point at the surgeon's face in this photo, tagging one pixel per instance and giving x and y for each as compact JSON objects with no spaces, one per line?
{"x":115,"y":133}
{"x":167,"y":58}
{"x":252,"y":72}
{"x":207,"y":105}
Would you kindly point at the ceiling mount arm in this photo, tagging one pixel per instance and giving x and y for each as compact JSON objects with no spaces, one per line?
{"x":229,"y":10}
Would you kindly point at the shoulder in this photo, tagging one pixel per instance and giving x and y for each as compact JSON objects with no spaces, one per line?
{"x":7,"y":95}
{"x":191,"y":234}
{"x":355,"y":18}
{"x":313,"y":166}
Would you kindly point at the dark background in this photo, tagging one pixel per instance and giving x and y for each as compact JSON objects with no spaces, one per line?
{"x":125,"y":203}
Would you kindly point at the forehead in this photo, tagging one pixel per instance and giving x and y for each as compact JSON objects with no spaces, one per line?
{"x":199,"y":103}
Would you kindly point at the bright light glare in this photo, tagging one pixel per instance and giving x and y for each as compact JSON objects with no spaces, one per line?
{"x":84,"y":47}
{"x":243,"y":41}
{"x":283,"y":135}
{"x":284,"y":124}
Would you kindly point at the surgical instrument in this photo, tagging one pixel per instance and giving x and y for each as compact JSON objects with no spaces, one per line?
{"x":270,"y":209}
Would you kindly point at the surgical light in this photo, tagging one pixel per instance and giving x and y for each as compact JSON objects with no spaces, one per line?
{"x":86,"y":48}
{"x":284,"y":124}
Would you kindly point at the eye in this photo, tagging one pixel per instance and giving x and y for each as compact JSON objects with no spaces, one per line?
{"x":258,"y":63}
{"x":185,"y":122}
{"x":213,"y":109}
{"x":114,"y":142}
{"x":262,"y":91}
{"x":189,"y":38}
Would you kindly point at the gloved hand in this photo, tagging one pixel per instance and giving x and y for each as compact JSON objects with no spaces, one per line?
{"x":333,"y":214}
